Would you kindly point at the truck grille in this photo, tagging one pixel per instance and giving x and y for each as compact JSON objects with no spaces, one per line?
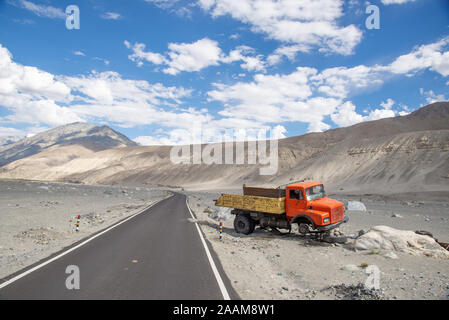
{"x":337,"y":214}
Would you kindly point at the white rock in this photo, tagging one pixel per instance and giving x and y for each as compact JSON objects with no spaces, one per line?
{"x":387,"y":238}
{"x":350,"y":267}
{"x":356,"y":206}
{"x":391,"y":255}
{"x":221,"y":214}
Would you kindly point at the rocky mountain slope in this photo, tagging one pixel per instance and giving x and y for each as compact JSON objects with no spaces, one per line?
{"x":389,"y":156}
{"x":90,"y":136}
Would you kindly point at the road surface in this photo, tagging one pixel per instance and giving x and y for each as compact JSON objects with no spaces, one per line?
{"x":157,"y":254}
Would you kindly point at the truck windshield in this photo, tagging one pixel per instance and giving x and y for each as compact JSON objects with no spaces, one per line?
{"x":315,"y":192}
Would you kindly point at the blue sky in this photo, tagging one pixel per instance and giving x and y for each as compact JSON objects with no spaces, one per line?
{"x":156,"y":69}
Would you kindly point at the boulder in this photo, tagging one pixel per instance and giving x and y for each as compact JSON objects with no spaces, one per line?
{"x":221,"y":214}
{"x":387,"y":238}
{"x":356,"y":206}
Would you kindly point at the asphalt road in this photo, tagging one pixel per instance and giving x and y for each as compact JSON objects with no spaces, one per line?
{"x":157,"y":254}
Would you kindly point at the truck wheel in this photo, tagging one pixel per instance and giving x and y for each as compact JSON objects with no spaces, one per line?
{"x":303,"y":228}
{"x":244,"y":224}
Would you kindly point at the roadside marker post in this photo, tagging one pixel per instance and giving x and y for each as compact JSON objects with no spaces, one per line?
{"x":221,"y":228}
{"x":78,"y":223}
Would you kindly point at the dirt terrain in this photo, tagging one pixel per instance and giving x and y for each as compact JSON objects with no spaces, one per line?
{"x":266,"y":265}
{"x":397,"y":167}
{"x":38,"y":218}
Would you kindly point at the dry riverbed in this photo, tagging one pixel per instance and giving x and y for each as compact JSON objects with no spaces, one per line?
{"x":38,"y":218}
{"x":265,"y":265}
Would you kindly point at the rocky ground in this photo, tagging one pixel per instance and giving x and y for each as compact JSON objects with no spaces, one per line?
{"x":266,"y":265}
{"x":38,"y":218}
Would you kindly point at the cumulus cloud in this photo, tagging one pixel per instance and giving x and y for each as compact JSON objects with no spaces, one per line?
{"x":37,"y":97}
{"x":346,"y":115}
{"x":423,"y":57}
{"x":307,"y":23}
{"x":308,"y":95}
{"x":195,"y":56}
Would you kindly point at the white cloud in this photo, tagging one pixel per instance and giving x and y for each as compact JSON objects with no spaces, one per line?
{"x":195,"y":56}
{"x":36,"y":97}
{"x":288,"y":51}
{"x":111,"y":16}
{"x":192,"y":56}
{"x":79,"y":53}
{"x":388,"y":2}
{"x":346,"y":115}
{"x":10,"y":132}
{"x":308,"y":95}
{"x":307,"y":23}
{"x":426,"y":56}
{"x":388,"y":104}
{"x":380,"y":114}
{"x":431,"y":96}
{"x":173,"y":6}
{"x":139,"y":54}
{"x":105,"y":61}
{"x":41,"y":10}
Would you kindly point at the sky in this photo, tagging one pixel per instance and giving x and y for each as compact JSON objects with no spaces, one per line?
{"x":157,"y":70}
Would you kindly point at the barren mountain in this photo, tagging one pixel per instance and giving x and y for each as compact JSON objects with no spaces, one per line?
{"x":388,"y":156}
{"x":90,"y":136}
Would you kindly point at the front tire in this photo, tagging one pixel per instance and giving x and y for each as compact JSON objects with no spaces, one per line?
{"x":244,"y":224}
{"x":303,"y":228}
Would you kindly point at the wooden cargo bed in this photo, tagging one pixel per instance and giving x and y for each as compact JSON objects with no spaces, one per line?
{"x":252,"y":203}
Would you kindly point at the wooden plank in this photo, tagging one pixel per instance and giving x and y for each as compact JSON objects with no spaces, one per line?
{"x":263,"y":192}
{"x":252,"y":203}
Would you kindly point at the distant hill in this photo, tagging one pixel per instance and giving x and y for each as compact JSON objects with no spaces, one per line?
{"x":92,"y":137}
{"x":4,"y":141}
{"x":388,"y":156}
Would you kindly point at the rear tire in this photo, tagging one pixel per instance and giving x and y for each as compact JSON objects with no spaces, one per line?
{"x":244,"y":224}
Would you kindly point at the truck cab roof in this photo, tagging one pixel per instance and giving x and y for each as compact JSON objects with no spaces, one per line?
{"x":305,"y":185}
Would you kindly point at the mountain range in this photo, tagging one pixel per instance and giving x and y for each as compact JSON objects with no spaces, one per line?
{"x":388,"y":156}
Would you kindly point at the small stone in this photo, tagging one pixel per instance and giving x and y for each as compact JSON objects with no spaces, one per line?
{"x":350,"y":267}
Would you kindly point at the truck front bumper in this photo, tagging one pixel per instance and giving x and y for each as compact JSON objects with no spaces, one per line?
{"x":332,"y":225}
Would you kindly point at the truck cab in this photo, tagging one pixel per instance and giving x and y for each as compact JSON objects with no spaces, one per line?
{"x":307,"y":204}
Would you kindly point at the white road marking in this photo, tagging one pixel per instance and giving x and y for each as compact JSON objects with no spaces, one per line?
{"x":220,"y":282}
{"x":4,"y":284}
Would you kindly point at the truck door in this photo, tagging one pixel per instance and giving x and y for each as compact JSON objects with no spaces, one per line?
{"x":294,"y":202}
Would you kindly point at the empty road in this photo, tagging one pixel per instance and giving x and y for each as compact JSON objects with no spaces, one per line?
{"x":157,"y":254}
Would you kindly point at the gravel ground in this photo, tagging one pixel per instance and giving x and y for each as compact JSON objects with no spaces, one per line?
{"x":38,"y":218}
{"x":265,"y":265}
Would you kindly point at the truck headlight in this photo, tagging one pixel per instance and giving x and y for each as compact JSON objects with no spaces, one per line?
{"x":326,"y":220}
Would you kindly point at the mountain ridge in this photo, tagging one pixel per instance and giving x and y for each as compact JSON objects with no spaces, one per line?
{"x":385,"y":156}
{"x":94,"y":137}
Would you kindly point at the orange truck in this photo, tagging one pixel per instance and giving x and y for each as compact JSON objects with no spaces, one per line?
{"x":305,"y":204}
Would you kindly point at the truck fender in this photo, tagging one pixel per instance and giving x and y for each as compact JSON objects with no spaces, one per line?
{"x":300,"y":217}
